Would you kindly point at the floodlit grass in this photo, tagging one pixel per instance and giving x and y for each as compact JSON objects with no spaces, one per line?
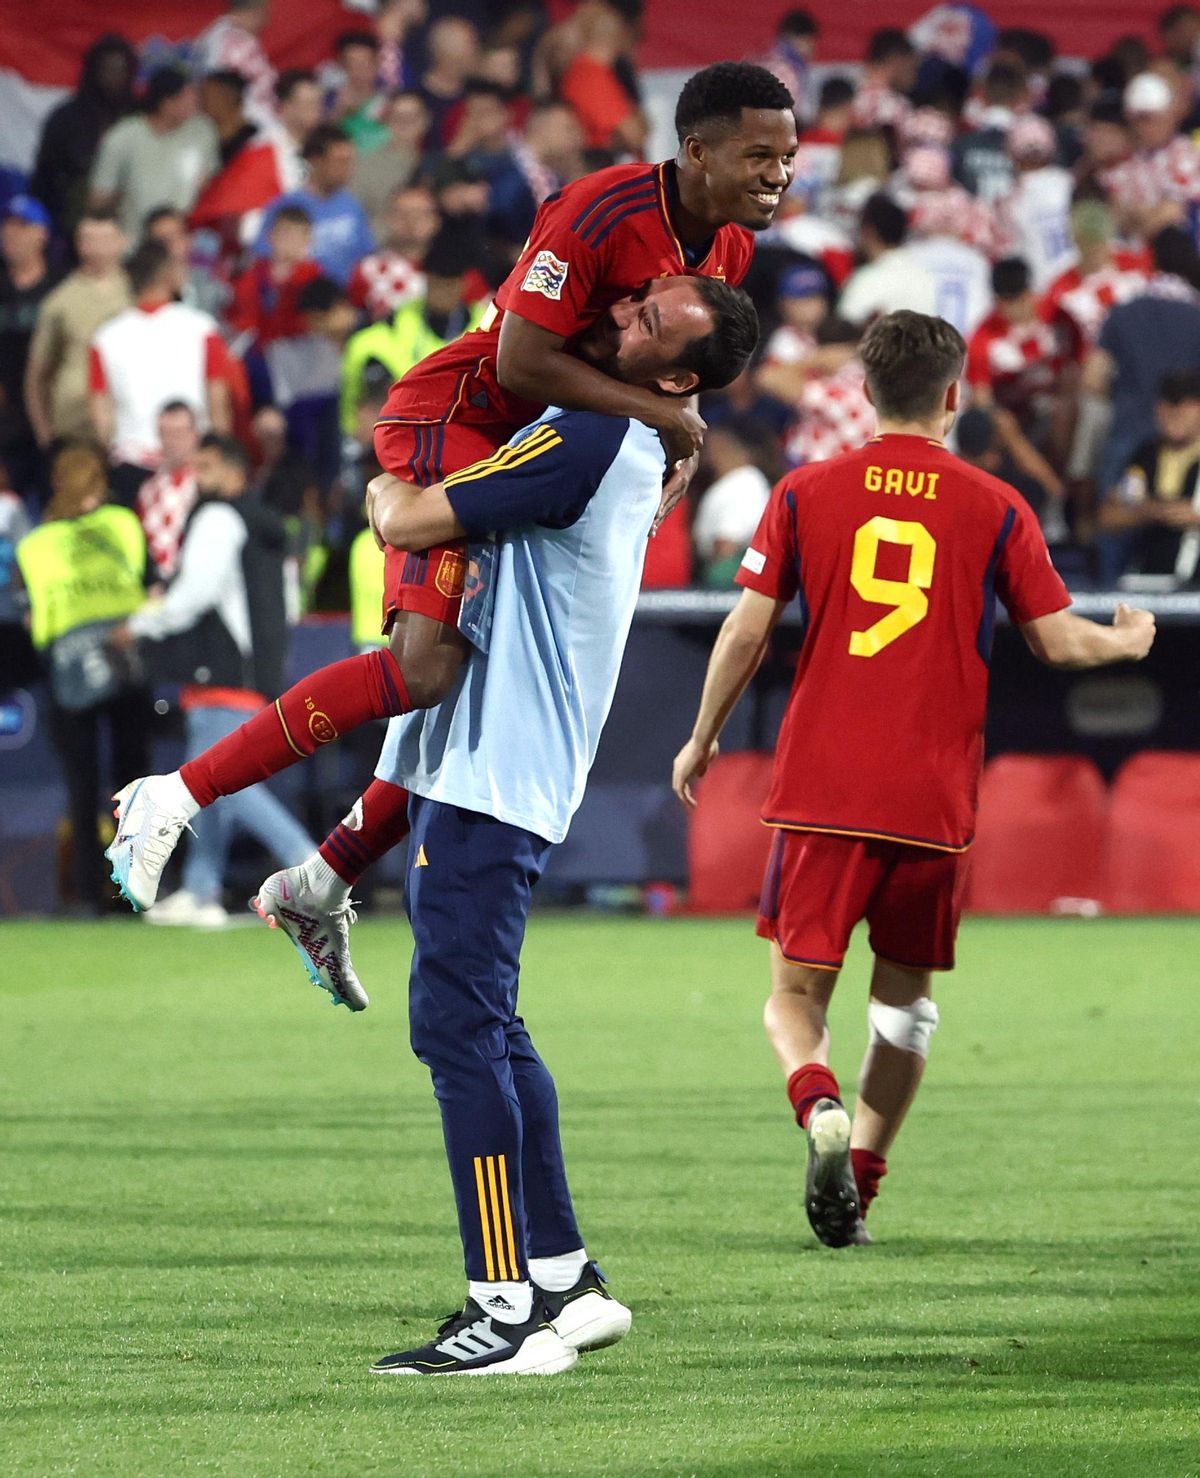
{"x":222,"y":1198}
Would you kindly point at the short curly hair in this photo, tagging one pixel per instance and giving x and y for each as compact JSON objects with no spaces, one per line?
{"x":720,"y":92}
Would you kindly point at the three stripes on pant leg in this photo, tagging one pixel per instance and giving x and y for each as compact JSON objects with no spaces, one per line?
{"x":495,"y":1219}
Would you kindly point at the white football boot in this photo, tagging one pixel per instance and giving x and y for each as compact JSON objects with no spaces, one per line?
{"x":318,"y":924}
{"x":151,"y":815}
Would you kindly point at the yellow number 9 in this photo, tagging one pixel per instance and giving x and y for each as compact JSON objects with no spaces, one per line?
{"x":907,"y":596}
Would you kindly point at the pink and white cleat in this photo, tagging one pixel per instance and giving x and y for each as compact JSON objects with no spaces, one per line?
{"x":319,"y":930}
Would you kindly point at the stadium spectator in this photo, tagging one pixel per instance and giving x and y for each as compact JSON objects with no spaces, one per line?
{"x":551,"y":149}
{"x":452,"y":47}
{"x":482,"y":141}
{"x":160,"y":156}
{"x":156,"y":351}
{"x":961,"y":274}
{"x":790,"y":58}
{"x":378,"y":175}
{"x":731,"y":506}
{"x":1161,"y":179}
{"x":833,"y":414}
{"x":266,"y":294}
{"x":192,"y":282}
{"x":386,"y":279}
{"x":83,"y":570}
{"x":820,"y":146}
{"x":1034,"y":217}
{"x":1067,"y":115}
{"x":1077,"y":303}
{"x":1157,"y":500}
{"x":301,"y":374}
{"x":419,"y":326}
{"x":1107,"y":144}
{"x":1013,"y":364}
{"x":356,"y":100}
{"x":933,"y":199}
{"x":889,"y":73}
{"x":297,"y":113}
{"x":72,"y":131}
{"x":1179,"y":32}
{"x":18,"y":663}
{"x":25,"y":281}
{"x":980,"y":438}
{"x":395,"y":21}
{"x":221,"y":102}
{"x":863,"y":171}
{"x":341,"y":232}
{"x":1142,"y":341}
{"x":982,"y":163}
{"x":802,"y":302}
{"x":166,"y":498}
{"x":891,"y":278}
{"x":231,"y":44}
{"x":594,"y":85}
{"x":223,"y":626}
{"x":56,"y":378}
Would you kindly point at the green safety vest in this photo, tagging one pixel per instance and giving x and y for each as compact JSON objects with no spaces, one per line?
{"x":366,"y":591}
{"x":397,"y":344}
{"x":81,"y":570}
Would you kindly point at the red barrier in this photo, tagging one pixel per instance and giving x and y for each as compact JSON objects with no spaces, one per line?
{"x":1154,"y":835}
{"x":727,"y":842}
{"x":1040,"y":837}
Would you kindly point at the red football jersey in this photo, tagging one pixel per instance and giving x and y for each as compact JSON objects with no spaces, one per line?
{"x":897,"y":551}
{"x":595,"y":241}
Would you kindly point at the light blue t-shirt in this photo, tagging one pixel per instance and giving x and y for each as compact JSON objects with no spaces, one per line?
{"x":341,"y":230}
{"x":574,"y":495}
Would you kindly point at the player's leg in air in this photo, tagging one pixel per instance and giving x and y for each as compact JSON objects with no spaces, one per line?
{"x":310,"y":903}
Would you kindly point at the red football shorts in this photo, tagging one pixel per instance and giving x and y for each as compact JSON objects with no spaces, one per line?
{"x":818,"y":886}
{"x":423,"y":452}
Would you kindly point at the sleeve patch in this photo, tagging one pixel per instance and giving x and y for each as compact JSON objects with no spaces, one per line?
{"x":546,"y":275}
{"x":754,"y":561}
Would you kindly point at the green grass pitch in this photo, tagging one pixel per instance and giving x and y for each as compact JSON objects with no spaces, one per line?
{"x":220,"y":1199}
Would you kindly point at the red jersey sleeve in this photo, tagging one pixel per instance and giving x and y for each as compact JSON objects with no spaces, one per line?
{"x":97,"y":379}
{"x":770,"y":564}
{"x":1026,"y":581}
{"x":557,"y":271}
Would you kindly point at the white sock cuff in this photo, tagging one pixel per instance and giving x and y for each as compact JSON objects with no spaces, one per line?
{"x":179,"y":797}
{"x":509,"y":1302}
{"x":557,"y":1274}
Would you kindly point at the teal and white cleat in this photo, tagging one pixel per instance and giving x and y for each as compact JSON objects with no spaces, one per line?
{"x":318,"y":928}
{"x":150,"y":820}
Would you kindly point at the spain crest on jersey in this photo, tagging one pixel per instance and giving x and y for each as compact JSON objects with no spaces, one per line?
{"x":546,"y":275}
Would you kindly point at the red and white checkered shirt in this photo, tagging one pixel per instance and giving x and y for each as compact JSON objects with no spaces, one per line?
{"x":383,"y":281}
{"x":163,"y":504}
{"x":1019,"y":361}
{"x":955,"y":212}
{"x":227,"y":46}
{"x":835,"y":416}
{"x":1076,"y":305}
{"x":1152,"y":176}
{"x":878,"y":106}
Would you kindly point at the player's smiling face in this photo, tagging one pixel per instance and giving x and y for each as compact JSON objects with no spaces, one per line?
{"x":642,"y":337}
{"x":746,"y":170}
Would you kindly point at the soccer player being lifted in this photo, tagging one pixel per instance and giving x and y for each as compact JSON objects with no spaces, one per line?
{"x":593,"y":248}
{"x":897,"y":553}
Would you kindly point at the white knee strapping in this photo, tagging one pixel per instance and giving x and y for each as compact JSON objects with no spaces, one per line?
{"x":906,"y":1027}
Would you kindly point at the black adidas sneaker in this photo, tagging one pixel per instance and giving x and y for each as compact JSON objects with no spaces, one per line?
{"x":472,"y":1342}
{"x":831,"y":1195}
{"x":587,"y":1316}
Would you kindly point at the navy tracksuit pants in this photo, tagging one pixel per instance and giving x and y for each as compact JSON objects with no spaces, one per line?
{"x":470,"y":882}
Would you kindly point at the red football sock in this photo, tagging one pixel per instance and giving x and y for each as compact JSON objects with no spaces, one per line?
{"x":378,"y":822}
{"x":869,"y":1170}
{"x":317,"y":710}
{"x":808,"y":1083}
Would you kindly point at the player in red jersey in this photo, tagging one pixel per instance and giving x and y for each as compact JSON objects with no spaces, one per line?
{"x":593,"y":249}
{"x":897,"y":552}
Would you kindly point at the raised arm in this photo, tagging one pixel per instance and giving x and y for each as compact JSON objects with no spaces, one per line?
{"x":736,"y":656}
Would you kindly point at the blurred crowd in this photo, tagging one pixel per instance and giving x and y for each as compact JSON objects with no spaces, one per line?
{"x":213,"y":249}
